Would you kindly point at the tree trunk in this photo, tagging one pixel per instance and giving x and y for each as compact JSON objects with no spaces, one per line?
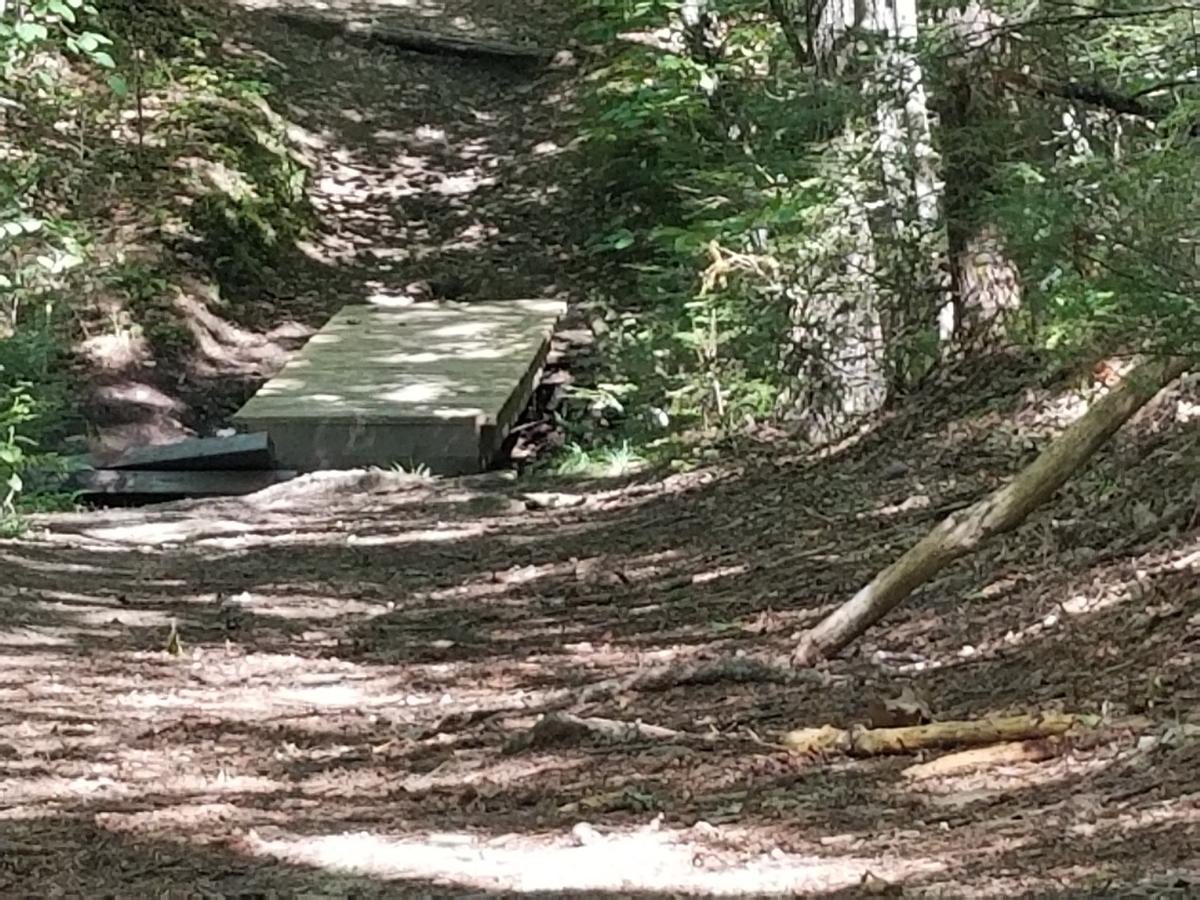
{"x":985,"y":284}
{"x":700,"y":31}
{"x":837,"y":336}
{"x":911,"y":220}
{"x":962,"y":532}
{"x":869,"y":331}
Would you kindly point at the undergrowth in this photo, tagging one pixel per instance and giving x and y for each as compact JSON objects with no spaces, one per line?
{"x":712,"y":175}
{"x":726,"y":180}
{"x":139,"y":154}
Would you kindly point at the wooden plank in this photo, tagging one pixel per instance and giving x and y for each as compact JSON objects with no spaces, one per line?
{"x":438,"y":384}
{"x":240,"y":452}
{"x":135,"y":483}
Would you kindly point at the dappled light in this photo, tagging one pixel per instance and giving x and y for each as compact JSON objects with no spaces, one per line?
{"x":651,"y":859}
{"x":713,"y":450}
{"x":421,"y":630}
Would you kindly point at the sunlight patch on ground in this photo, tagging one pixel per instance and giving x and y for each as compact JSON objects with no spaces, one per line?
{"x":98,"y":615}
{"x":122,"y":350}
{"x":152,"y":533}
{"x":348,"y":696}
{"x":292,"y":605}
{"x":58,"y":566}
{"x":994,"y":783}
{"x":230,"y":534}
{"x":644,"y":860}
{"x":93,"y":787}
{"x":33,"y":636}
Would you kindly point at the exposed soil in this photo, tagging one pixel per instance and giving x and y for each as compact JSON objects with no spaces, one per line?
{"x":358,"y":650}
{"x":430,"y":177}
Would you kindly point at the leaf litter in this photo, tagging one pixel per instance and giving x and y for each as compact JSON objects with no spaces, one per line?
{"x":319,"y":700}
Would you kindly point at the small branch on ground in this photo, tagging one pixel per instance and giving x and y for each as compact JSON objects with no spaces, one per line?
{"x":1076,"y":730}
{"x":736,"y":670}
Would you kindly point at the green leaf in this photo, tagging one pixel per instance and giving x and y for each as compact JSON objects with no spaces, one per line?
{"x":118,"y":85}
{"x":29,"y":32}
{"x":90,"y":40}
{"x":101,"y":58}
{"x":620,"y":239}
{"x":62,"y":9}
{"x":15,"y":483}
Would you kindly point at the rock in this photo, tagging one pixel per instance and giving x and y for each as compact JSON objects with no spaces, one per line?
{"x":553,"y":500}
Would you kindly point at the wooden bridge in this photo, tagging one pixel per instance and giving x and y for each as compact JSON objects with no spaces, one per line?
{"x":437,"y":385}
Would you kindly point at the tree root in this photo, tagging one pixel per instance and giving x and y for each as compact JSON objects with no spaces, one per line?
{"x":565,"y":730}
{"x":737,"y":669}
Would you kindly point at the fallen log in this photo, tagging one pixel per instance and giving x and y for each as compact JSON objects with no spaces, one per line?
{"x":962,"y":532}
{"x":416,"y":40}
{"x":860,"y":741}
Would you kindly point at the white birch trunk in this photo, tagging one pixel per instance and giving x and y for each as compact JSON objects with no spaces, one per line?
{"x":913,"y":191}
{"x":902,"y":231}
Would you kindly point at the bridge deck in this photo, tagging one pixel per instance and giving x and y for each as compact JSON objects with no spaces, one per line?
{"x":432,"y":384}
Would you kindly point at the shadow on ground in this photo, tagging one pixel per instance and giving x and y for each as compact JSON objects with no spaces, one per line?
{"x":360,"y":649}
{"x":425,"y":177}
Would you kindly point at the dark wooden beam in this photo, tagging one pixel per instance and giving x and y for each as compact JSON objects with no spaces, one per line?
{"x":413,"y":39}
{"x":240,"y":452}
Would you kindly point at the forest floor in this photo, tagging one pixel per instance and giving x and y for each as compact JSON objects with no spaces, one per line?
{"x":359,"y":650}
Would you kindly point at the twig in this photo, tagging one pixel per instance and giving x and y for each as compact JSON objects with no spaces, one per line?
{"x":737,"y":670}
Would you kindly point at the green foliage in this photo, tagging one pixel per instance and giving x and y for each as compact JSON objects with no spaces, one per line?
{"x":728,"y":184}
{"x":33,"y":400}
{"x":246,"y":205}
{"x":41,"y":250}
{"x":612,"y":461}
{"x":129,"y":133}
{"x":715,"y":177}
{"x":1100,"y":211}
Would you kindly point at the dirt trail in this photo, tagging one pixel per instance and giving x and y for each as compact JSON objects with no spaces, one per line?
{"x":429,"y":176}
{"x":359,"y":649}
{"x":428,"y":167}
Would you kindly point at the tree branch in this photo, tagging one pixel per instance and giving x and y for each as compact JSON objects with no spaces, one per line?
{"x":1091,"y":94}
{"x":961,"y":533}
